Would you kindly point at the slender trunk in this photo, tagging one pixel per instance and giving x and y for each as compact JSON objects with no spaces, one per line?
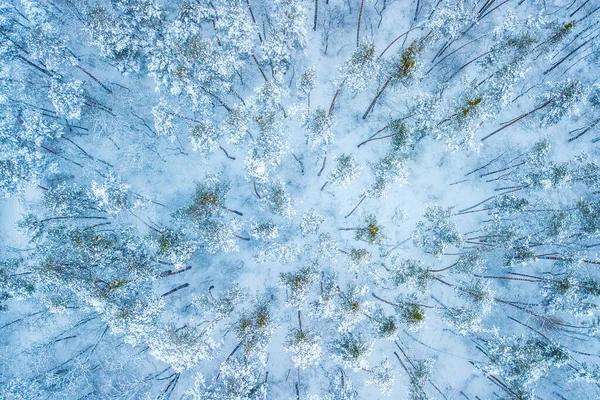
{"x":373,"y":135}
{"x":502,"y":169}
{"x":377,"y":138}
{"x":355,"y":207}
{"x":229,"y":357}
{"x":417,"y":10}
{"x":566,"y":259}
{"x":590,"y":127}
{"x":167,"y":273}
{"x":384,"y":301}
{"x":372,"y":105}
{"x":402,"y":364}
{"x":217,"y":98}
{"x":468,"y":63}
{"x":483,"y":201}
{"x":360,"y":12}
{"x":145,"y":223}
{"x":491,"y":11}
{"x":42,"y":70}
{"x":299,"y":162}
{"x":316,"y":15}
{"x":322,"y":167}
{"x":485,"y":166}
{"x":487,"y":4}
{"x":514,"y":121}
{"x":443,"y":269}
{"x":175,"y":289}
{"x":255,"y":189}
{"x":259,"y":67}
{"x":253,"y":19}
{"x":226,"y":153}
{"x":94,"y":79}
{"x":452,"y":52}
{"x":335,"y":96}
{"x":69,"y":217}
{"x":568,"y":55}
{"x":85,"y":152}
{"x":396,"y":39}
{"x":214,"y":24}
{"x":61,"y":156}
{"x":578,"y":8}
{"x":233,"y":211}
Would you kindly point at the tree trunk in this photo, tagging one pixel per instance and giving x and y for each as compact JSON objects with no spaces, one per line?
{"x":360,"y":12}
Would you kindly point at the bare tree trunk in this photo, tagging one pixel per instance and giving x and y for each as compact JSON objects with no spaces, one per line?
{"x":395,"y":40}
{"x":253,"y":19}
{"x":259,"y":67}
{"x":569,"y":55}
{"x":176,"y":289}
{"x":94,"y":79}
{"x":372,"y":105}
{"x":299,"y":162}
{"x":372,"y":136}
{"x":514,"y":121}
{"x":591,"y":126}
{"x":417,"y":10}
{"x":335,"y":96}
{"x":233,"y":211}
{"x":226,"y":153}
{"x":354,"y":209}
{"x":316,"y":15}
{"x":323,"y":166}
{"x":255,"y":189}
{"x":360,"y":12}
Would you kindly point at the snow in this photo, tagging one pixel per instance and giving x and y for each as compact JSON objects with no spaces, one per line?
{"x":306,"y":221}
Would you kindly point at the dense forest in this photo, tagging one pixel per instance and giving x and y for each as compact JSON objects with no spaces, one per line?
{"x":299,"y":199}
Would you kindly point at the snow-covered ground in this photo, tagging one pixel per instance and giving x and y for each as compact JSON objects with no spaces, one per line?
{"x":293,"y":199}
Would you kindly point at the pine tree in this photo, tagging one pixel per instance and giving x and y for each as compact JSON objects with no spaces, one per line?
{"x":439,"y":231}
{"x":318,"y":126}
{"x":297,"y":285}
{"x":183,"y":347}
{"x":345,"y":171}
{"x":521,"y":361}
{"x":361,"y":68}
{"x":352,"y":349}
{"x":254,"y":328}
{"x":304,"y":346}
